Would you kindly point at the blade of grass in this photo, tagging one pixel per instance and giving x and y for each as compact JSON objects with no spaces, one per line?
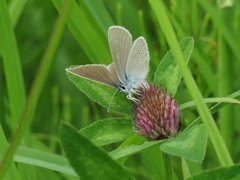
{"x":67,"y":108}
{"x":35,"y":91}
{"x":210,"y":100}
{"x":223,"y":28}
{"x":195,"y":17}
{"x":100,"y":14}
{"x":218,"y":173}
{"x":206,"y":71}
{"x":12,"y":172}
{"x":90,"y":38}
{"x":214,"y":108}
{"x":44,"y":159}
{"x":11,"y":62}
{"x":55,"y":114}
{"x":12,"y":65}
{"x":225,"y":73}
{"x":15,"y":9}
{"x":215,"y":137}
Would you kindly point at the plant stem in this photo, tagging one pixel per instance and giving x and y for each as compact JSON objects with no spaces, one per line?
{"x":35,"y":91}
{"x":215,"y":137}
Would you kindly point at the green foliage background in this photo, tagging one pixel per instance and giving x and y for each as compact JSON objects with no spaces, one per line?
{"x":26,"y":28}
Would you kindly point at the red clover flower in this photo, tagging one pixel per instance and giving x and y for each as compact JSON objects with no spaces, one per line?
{"x":156,"y":114}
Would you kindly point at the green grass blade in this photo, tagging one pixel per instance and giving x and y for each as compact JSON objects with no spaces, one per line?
{"x":11,"y":62}
{"x":205,"y":71}
{"x":44,"y":159}
{"x":214,"y":108}
{"x":90,"y":38}
{"x":15,"y":9}
{"x":100,"y":14}
{"x":12,"y":172}
{"x":223,"y":28}
{"x":228,"y":100}
{"x":12,"y":65}
{"x":219,"y":173}
{"x":195,"y":17}
{"x":37,"y":86}
{"x":215,"y":137}
{"x":225,"y":86}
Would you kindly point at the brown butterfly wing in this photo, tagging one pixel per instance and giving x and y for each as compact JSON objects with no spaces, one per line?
{"x":97,"y":72}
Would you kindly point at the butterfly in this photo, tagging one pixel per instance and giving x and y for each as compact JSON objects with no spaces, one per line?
{"x":130,"y":63}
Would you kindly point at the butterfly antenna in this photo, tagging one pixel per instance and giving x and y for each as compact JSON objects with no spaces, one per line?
{"x":110,"y":104}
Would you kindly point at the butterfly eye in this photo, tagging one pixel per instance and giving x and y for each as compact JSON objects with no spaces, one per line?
{"x":122,"y":87}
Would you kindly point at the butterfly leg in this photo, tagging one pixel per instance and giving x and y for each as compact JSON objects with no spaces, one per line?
{"x":130,"y":97}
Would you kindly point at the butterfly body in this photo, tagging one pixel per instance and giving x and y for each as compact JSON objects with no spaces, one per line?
{"x":130,"y":63}
{"x":130,"y":85}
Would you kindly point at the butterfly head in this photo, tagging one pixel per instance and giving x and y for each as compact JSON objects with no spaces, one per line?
{"x":123,"y":88}
{"x":128,"y":87}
